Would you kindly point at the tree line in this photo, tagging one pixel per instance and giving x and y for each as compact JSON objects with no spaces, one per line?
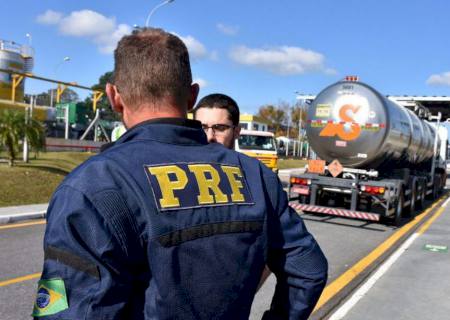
{"x":284,"y":119}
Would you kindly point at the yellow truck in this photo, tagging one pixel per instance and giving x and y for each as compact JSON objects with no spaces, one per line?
{"x":260,"y":145}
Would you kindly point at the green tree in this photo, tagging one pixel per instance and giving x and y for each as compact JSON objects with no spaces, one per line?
{"x":298,"y":112}
{"x":103,"y":103}
{"x":68,"y":95}
{"x":13,"y":129}
{"x":274,"y":116}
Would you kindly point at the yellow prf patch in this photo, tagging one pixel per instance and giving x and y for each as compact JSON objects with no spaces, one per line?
{"x":50,"y":298}
{"x":190,"y":185}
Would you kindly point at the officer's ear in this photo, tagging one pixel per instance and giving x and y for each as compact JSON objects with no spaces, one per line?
{"x":237,"y":132}
{"x":114,"y":98}
{"x":195,"y":88}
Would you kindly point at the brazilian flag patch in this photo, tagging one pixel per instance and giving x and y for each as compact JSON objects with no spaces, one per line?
{"x":51,"y":298}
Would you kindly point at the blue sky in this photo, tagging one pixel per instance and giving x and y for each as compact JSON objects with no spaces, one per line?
{"x":258,"y":52}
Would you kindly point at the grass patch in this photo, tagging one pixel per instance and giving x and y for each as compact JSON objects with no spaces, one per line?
{"x":291,"y":163}
{"x":35,"y":182}
{"x":21,"y":185}
{"x":64,"y":161}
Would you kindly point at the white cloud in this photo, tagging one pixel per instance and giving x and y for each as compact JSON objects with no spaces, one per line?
{"x":49,"y":17}
{"x":282,"y":60}
{"x":95,"y":27}
{"x":201,"y":82}
{"x":108,"y":42}
{"x":442,"y":79}
{"x":228,"y":30}
{"x":330,"y":71}
{"x":86,"y":23}
{"x":196,"y":49}
{"x":105,"y":32}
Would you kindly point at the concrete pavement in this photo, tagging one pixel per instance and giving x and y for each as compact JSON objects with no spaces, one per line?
{"x":18,"y":213}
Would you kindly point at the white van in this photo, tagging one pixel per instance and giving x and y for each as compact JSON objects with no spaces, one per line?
{"x":260,"y":145}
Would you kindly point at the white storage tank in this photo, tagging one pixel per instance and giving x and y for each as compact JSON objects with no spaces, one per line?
{"x":15,"y":57}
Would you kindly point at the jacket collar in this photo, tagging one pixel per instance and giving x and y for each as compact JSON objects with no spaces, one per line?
{"x":167,"y":130}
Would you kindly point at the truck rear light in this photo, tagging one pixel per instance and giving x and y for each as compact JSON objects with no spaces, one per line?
{"x":352,"y":78}
{"x":301,"y":181}
{"x":373,"y":189}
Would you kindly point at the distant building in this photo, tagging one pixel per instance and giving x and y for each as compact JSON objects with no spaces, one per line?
{"x":251,"y":122}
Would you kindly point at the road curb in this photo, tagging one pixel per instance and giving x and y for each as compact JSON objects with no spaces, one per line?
{"x":5,"y":219}
{"x":334,"y":302}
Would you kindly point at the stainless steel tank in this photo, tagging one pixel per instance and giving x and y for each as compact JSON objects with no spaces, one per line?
{"x":353,"y":123}
{"x":17,"y":58}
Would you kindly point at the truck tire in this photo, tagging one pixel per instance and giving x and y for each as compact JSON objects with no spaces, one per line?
{"x":397,"y":219}
{"x":422,"y":195}
{"x":436,"y":186}
{"x":410,"y":210}
{"x":303,"y":199}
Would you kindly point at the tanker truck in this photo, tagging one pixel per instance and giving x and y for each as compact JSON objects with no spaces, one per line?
{"x":378,"y":160}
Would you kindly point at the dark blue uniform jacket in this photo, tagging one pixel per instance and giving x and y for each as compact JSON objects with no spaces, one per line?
{"x":164,"y":225}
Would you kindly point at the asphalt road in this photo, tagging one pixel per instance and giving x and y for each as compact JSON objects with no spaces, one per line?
{"x":21,"y":254}
{"x":343,"y":241}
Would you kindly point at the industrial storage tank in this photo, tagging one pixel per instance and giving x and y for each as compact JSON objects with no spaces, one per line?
{"x":353,"y":123}
{"x":15,"y":57}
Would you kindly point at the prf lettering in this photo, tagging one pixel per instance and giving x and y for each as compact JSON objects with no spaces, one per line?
{"x":197,"y":184}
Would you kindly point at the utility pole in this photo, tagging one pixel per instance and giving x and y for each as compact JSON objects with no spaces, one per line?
{"x":28,"y":117}
{"x":147,"y":22}
{"x":300,"y":137}
{"x":66,"y":118}
{"x":287,"y":135}
{"x":66,"y":59}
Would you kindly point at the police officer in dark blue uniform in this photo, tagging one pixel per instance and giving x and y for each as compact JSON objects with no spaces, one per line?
{"x":163,"y":225}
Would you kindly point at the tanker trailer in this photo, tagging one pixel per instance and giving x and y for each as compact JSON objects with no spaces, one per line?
{"x":378,"y":159}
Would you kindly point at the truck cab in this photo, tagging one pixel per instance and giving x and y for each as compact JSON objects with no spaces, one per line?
{"x":260,"y":145}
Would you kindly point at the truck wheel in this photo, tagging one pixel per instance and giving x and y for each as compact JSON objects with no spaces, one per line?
{"x":303,"y":199}
{"x":397,"y":220}
{"x":436,"y":187}
{"x":422,"y":194}
{"x":410,"y":210}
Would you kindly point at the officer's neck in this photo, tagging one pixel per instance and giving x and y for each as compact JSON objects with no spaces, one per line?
{"x":135,"y":115}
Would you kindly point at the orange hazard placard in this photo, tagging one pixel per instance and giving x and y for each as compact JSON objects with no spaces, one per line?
{"x":335,"y":168}
{"x":316,"y":166}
